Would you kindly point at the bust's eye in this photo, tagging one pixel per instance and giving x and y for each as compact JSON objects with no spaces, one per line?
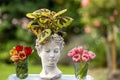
{"x":56,"y":51}
{"x":47,"y":51}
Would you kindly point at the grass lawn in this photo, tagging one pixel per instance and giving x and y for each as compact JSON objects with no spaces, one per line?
{"x":6,"y":70}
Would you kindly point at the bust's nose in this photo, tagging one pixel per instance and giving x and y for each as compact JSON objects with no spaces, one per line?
{"x":52,"y":55}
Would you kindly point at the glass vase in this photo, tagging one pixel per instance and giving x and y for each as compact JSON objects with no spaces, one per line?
{"x":81,"y":69}
{"x":22,"y":69}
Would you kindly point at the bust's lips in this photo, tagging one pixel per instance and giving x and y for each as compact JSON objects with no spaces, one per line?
{"x":51,"y":59}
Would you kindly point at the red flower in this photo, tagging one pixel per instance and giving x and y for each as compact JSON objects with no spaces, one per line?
{"x":28,"y":50}
{"x":19,"y":48}
{"x":22,"y":55}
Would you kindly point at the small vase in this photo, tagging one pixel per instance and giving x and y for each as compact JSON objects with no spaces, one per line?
{"x":22,"y":69}
{"x":81,"y":69}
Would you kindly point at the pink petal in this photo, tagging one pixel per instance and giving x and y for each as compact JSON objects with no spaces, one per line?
{"x":85,"y":52}
{"x":76,"y":58}
{"x":87,"y":30}
{"x":71,"y":53}
{"x":91,"y":55}
{"x":115,"y":12}
{"x":85,"y":3}
{"x":76,"y":50}
{"x":80,"y":50}
{"x":112,"y":19}
{"x":85,"y":57}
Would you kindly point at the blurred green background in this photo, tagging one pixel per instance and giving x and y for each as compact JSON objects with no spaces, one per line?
{"x":96,"y":27}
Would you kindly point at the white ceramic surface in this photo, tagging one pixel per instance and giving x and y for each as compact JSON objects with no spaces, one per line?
{"x":37,"y":77}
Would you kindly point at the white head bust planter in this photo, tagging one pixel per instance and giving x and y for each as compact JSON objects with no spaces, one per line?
{"x":47,"y":26}
{"x":50,"y":53}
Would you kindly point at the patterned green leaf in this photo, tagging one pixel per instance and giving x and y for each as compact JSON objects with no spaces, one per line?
{"x":44,"y":35}
{"x":31,"y":15}
{"x":35,"y":29}
{"x":63,"y":22}
{"x":42,"y":12}
{"x":43,"y":20}
{"x":59,"y":13}
{"x":30,"y":24}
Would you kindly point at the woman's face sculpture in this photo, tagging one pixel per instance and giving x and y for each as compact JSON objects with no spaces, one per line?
{"x":50,"y":53}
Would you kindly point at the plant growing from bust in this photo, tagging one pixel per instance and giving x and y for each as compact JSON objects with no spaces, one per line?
{"x":44,"y":23}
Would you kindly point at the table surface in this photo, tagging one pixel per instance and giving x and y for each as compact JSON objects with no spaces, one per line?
{"x":37,"y":77}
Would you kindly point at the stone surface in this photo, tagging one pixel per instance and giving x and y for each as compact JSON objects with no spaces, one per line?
{"x":37,"y":77}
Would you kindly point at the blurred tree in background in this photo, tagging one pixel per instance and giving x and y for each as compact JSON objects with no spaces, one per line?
{"x":102,"y":17}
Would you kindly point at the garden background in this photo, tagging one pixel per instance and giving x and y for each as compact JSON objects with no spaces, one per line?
{"x":96,"y":27}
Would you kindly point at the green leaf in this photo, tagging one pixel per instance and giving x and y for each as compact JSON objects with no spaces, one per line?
{"x":42,"y":12}
{"x":36,"y":30}
{"x":31,"y":15}
{"x":84,"y":70}
{"x":59,"y":13}
{"x":44,"y":35}
{"x":63,"y":22}
{"x":43,"y":20}
{"x":30,"y":24}
{"x":45,"y":12}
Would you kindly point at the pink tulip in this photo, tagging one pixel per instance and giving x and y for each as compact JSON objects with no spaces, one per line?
{"x":80,"y":50}
{"x":97,"y":24}
{"x":85,"y":57}
{"x":76,"y":58}
{"x":79,"y":54}
{"x":85,"y":3}
{"x":115,"y":12}
{"x":91,"y":55}
{"x":87,"y":30}
{"x":112,"y":19}
{"x":71,"y":54}
{"x":85,"y":52}
{"x":76,"y":50}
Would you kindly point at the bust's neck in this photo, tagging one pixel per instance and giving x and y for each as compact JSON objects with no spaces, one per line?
{"x":50,"y":72}
{"x":51,"y":69}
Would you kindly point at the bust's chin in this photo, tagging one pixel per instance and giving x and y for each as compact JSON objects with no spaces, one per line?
{"x":50,"y":77}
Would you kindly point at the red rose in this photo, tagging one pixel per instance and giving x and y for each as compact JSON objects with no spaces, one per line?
{"x":28,"y":50}
{"x":19,"y":48}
